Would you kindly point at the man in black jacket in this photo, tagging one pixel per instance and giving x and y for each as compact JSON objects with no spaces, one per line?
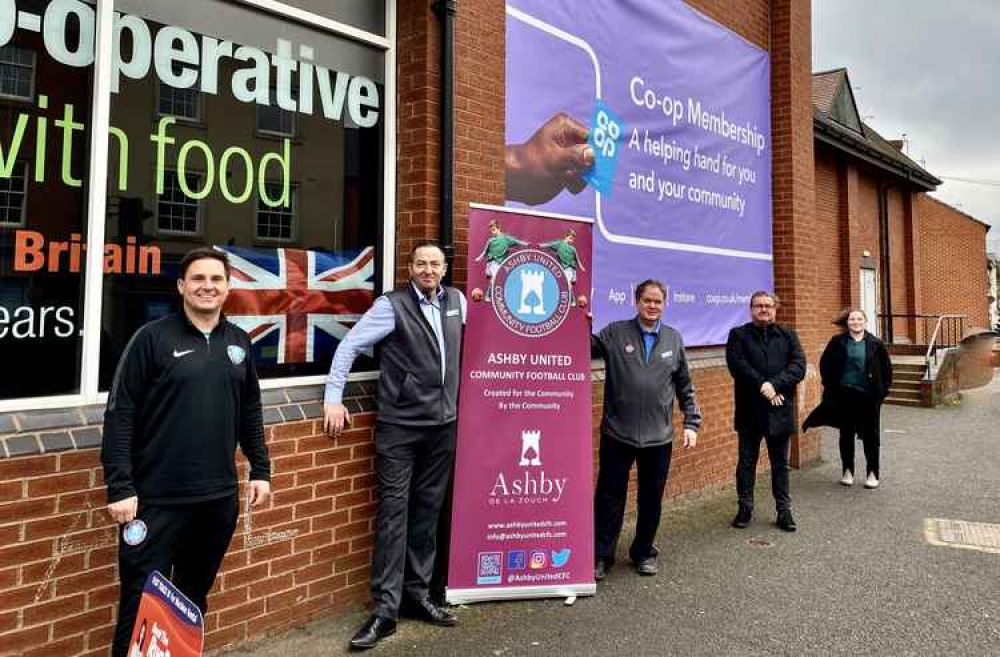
{"x":645,"y":369}
{"x":766,"y":362}
{"x":418,"y":333}
{"x":184,"y":394}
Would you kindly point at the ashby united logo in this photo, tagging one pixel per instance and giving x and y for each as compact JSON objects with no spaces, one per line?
{"x":533,"y":485}
{"x":530,"y":446}
{"x":236,"y":354}
{"x":532,"y":295}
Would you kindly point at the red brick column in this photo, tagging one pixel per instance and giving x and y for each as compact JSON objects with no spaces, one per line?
{"x":796,"y":273}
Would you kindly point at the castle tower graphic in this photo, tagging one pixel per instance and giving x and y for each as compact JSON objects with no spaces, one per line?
{"x":532,"y":297}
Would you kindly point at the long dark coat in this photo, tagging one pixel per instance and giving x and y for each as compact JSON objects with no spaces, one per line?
{"x":756,"y":355}
{"x":878,"y":374}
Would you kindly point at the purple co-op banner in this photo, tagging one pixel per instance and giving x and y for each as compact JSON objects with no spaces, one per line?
{"x":676,"y":111}
{"x":522,"y":518}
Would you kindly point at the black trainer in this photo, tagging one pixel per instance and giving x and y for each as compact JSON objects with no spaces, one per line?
{"x":601,"y":569}
{"x":743,"y":517}
{"x":786,"y":521}
{"x":648,"y":566}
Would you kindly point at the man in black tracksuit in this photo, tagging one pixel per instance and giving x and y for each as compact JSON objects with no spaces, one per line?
{"x":645,"y":368}
{"x":185,"y":393}
{"x":766,"y":362}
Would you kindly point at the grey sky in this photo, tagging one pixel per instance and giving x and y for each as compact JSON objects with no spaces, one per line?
{"x":928,"y":69}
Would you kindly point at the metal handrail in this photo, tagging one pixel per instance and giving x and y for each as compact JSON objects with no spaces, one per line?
{"x":931,"y":349}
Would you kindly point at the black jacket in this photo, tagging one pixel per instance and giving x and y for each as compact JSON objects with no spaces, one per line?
{"x":878,"y":366}
{"x":756,"y":355}
{"x":639,"y":396}
{"x":178,"y":405}
{"x":878,"y":374}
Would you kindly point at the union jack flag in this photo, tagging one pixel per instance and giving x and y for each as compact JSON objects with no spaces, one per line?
{"x":298,"y":302}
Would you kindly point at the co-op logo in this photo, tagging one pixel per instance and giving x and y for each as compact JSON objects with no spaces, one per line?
{"x":185,"y":61}
{"x":531,"y":295}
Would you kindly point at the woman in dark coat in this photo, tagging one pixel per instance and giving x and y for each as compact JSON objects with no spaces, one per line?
{"x":856,"y":373}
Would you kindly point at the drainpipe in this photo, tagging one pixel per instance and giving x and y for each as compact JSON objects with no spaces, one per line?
{"x":883,"y":224}
{"x":446,"y":10}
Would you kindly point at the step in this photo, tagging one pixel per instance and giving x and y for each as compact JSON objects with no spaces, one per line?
{"x":908,"y":368}
{"x":904,"y":393}
{"x":909,"y":377}
{"x":908,"y":386}
{"x":898,"y":401}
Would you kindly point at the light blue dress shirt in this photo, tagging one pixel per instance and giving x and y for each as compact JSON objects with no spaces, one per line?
{"x":373,"y":327}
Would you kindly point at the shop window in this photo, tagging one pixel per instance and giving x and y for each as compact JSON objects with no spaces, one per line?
{"x":299,"y":218}
{"x":13,"y":195}
{"x":43,"y":198}
{"x":17,"y":73}
{"x":276,"y":223}
{"x":184,"y":104}
{"x":177,"y":212}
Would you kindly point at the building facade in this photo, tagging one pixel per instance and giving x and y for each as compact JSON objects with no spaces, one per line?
{"x":307,"y":141}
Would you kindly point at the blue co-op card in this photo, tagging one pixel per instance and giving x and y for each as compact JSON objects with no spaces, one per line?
{"x":605,"y":139}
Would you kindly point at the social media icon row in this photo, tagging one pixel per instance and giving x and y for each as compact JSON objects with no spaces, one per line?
{"x":537,"y":559}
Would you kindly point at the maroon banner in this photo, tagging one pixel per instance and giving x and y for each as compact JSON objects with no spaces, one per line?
{"x":522,"y":523}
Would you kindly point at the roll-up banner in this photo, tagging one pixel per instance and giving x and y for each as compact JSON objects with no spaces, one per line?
{"x":655,"y":121}
{"x":522,"y":523}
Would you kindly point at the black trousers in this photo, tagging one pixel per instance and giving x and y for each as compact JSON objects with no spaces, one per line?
{"x":186,"y":543}
{"x":859,"y":419}
{"x":746,"y":468}
{"x":653,"y":466}
{"x":412,"y":465}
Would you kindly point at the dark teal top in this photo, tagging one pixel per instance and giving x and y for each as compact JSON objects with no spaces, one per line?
{"x":854,"y":367}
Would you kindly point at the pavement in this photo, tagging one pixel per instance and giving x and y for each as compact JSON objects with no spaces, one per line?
{"x":858,"y":577}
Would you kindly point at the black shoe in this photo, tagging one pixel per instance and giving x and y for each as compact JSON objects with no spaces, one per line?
{"x":601,"y":569}
{"x":648,"y":566}
{"x":786,"y":521}
{"x":743,"y":517}
{"x":428,"y":612}
{"x":374,"y":630}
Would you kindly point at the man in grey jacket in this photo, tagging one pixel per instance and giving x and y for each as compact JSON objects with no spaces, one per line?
{"x":645,"y":368}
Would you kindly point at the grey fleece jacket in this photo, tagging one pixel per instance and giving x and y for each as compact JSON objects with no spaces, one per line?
{"x":639,"y":396}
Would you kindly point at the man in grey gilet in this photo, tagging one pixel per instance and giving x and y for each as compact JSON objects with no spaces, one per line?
{"x":417,"y":332}
{"x":645,"y":369}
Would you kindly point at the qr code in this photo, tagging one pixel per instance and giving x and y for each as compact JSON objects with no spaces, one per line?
{"x":490,"y":568}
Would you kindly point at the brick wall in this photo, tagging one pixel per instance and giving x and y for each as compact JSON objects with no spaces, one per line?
{"x":952,"y":267}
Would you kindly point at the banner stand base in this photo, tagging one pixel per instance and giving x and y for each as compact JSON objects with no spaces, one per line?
{"x":466,"y":596}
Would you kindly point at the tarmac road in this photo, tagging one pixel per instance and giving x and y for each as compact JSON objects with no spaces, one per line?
{"x":857,"y":578}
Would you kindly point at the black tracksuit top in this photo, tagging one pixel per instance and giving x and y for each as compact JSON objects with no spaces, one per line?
{"x":177,"y":408}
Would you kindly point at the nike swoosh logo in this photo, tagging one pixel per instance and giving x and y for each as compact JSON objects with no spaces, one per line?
{"x":178,"y":354}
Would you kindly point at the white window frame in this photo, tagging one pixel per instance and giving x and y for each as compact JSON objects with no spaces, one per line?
{"x":199,"y":105}
{"x":293,"y":213}
{"x":24,"y":196}
{"x":33,"y":67}
{"x":197,"y":203}
{"x":97,"y":178}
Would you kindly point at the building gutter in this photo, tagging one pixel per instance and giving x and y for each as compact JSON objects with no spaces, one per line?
{"x":856,"y":148}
